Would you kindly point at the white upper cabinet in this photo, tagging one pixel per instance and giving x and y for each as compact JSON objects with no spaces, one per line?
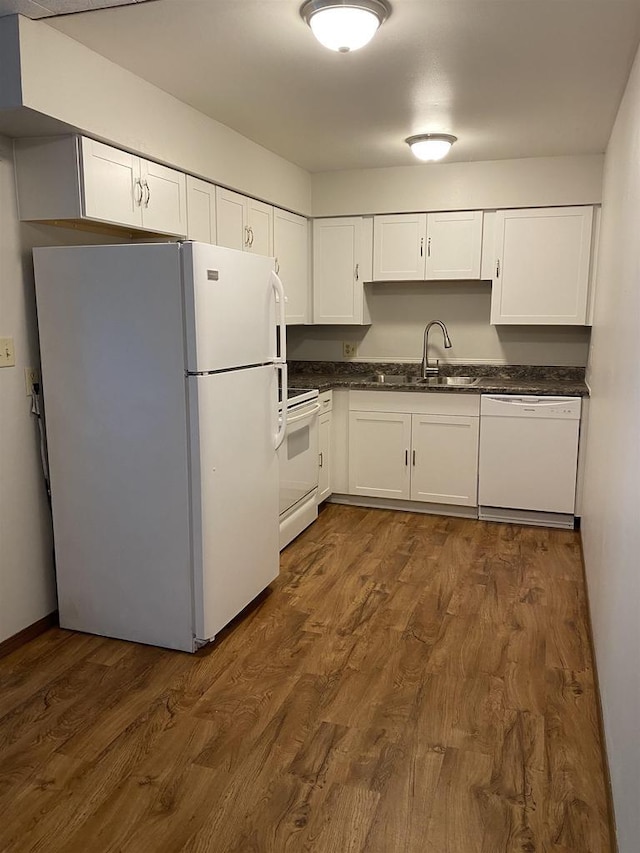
{"x":244,"y":223}
{"x":113,"y":191}
{"x":342,"y":249}
{"x":164,"y":204}
{"x":541,"y":273}
{"x":201,"y":210}
{"x":427,"y":246}
{"x":123,"y":189}
{"x":71,"y":178}
{"x":399,"y":247}
{"x":291,"y":249}
{"x":454,"y":245}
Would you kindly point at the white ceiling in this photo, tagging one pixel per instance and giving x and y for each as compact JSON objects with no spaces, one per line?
{"x":510,"y":78}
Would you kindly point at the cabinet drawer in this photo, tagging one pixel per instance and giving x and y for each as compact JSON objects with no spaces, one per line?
{"x":326,"y":401}
{"x":415,"y":402}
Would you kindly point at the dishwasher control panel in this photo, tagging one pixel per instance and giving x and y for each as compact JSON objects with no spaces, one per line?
{"x":521,"y":406}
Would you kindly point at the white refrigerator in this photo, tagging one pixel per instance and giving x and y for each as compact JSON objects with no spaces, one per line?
{"x":160,"y":367}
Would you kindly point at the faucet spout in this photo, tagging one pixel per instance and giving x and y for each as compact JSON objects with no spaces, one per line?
{"x":428,"y":369}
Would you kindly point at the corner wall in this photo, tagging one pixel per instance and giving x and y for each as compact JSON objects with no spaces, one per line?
{"x":611,"y":509}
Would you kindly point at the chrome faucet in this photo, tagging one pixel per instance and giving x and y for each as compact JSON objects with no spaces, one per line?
{"x":427,"y":369}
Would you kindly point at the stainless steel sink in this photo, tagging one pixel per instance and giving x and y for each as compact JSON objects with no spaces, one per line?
{"x":430,"y":381}
{"x":449,"y":380}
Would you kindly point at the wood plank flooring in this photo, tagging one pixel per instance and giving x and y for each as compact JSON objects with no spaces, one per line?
{"x":411,"y":684}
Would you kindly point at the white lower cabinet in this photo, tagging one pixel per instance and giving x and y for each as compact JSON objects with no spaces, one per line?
{"x":324,"y":446}
{"x":444,"y":459}
{"x":404,"y":453}
{"x":379,"y":445}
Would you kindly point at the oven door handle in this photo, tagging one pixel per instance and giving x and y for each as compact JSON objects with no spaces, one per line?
{"x":310,"y":413}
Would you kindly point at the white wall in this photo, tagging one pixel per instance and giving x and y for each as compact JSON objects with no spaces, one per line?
{"x":27,"y":585}
{"x":535,"y":182}
{"x":66,"y":81}
{"x":26,"y":573}
{"x":611,"y":511}
{"x":399,"y":313}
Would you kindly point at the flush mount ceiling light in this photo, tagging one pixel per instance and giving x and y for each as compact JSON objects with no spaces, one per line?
{"x":431,"y":146}
{"x":345,"y":25}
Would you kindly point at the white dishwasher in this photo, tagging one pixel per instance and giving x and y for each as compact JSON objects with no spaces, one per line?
{"x":528,"y":458}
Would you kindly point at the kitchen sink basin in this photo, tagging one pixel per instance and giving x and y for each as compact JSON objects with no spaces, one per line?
{"x":430,"y":381}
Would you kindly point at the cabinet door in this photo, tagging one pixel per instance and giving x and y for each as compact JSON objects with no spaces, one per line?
{"x":164,"y":205}
{"x":324,"y":445}
{"x":291,"y":246}
{"x":541,"y":273}
{"x":379,"y":445}
{"x":337,"y":286}
{"x":444,"y":459}
{"x":201,"y":210}
{"x":454,"y":245}
{"x":399,"y":247}
{"x":231,"y":219}
{"x":111,"y":180}
{"x":260,"y":224}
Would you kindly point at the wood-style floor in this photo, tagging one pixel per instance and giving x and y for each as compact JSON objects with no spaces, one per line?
{"x":412,"y":684}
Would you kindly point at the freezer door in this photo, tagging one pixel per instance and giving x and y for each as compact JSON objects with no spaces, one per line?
{"x":230,"y":308}
{"x":234,"y":471}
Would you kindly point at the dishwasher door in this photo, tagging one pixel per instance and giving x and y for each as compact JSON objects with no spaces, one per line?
{"x":529,"y":452}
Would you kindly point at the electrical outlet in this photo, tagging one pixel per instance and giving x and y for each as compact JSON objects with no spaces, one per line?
{"x":7,"y":353}
{"x":349,"y":350}
{"x":31,"y":377}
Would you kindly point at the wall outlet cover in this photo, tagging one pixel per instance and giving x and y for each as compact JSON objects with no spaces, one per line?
{"x":31,"y":377}
{"x":349,"y":350}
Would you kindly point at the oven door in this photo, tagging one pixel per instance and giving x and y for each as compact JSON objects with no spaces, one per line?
{"x":298,"y":456}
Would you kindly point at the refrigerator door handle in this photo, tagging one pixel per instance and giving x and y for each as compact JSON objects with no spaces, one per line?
{"x":282,"y":426}
{"x":278,"y":290}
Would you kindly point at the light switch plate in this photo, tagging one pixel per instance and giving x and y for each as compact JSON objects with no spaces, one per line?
{"x":7,"y":353}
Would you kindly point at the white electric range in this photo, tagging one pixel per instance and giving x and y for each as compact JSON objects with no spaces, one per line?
{"x":299,"y":463}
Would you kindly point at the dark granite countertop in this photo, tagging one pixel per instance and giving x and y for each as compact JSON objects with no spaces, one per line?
{"x":493,"y":379}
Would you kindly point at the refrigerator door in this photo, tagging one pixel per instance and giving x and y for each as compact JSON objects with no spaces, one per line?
{"x":234,"y":469}
{"x":230,"y":308}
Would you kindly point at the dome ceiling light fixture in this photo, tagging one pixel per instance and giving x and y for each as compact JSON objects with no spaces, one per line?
{"x":344,"y":25}
{"x":431,"y":146}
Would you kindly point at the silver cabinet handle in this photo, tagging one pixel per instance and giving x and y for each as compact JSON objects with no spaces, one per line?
{"x":246,"y":236}
{"x":321,"y":460}
{"x":357,"y":272}
{"x":249,"y":236}
{"x":278,"y":273}
{"x":422,"y":247}
{"x":138,"y":186}
{"x":429,"y":247}
{"x":406,"y":457}
{"x":498,"y":268}
{"x":414,"y":458}
{"x":147,"y":193}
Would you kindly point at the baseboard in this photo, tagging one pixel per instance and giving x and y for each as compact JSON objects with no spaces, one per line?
{"x":29,"y":633}
{"x":607,"y":775}
{"x":405,"y":506}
